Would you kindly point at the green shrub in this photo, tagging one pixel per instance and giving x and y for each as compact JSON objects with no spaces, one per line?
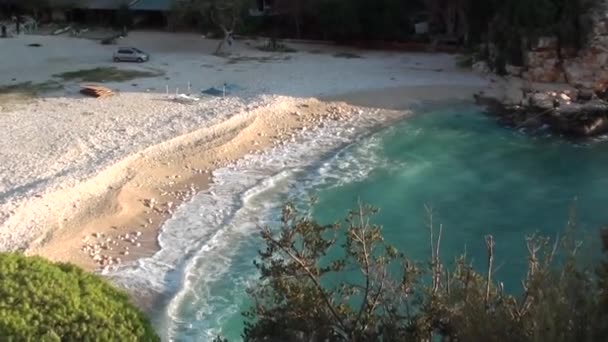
{"x":42,"y":301}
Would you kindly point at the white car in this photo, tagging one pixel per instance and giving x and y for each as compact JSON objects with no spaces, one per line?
{"x":130,"y":54}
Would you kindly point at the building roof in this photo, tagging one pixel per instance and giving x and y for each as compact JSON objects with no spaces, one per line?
{"x":135,"y":5}
{"x":101,"y":4}
{"x":151,"y":5}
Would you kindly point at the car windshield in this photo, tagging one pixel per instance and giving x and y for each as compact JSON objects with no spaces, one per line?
{"x":137,"y":50}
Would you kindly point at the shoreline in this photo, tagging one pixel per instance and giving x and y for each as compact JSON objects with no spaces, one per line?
{"x":157,"y":180}
{"x":144,"y":199}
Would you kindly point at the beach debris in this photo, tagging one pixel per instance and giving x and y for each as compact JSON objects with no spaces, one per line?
{"x":105,"y":270}
{"x":150,"y":203}
{"x":185,"y":99}
{"x":125,"y":253}
{"x":96,"y":91}
{"x":138,"y":234}
{"x":62,"y":30}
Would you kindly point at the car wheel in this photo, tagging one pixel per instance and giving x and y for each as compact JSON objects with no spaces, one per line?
{"x":140,"y":60}
{"x":116,"y":59}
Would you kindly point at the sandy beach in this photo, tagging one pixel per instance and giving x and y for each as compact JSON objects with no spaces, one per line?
{"x":125,"y":220}
{"x":91,"y":181}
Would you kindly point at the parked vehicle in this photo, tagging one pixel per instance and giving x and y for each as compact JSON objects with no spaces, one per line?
{"x":130,"y":54}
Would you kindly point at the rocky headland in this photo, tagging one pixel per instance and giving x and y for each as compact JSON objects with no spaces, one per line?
{"x":560,"y":89}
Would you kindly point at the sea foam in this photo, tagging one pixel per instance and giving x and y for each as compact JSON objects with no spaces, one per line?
{"x":211,"y":236}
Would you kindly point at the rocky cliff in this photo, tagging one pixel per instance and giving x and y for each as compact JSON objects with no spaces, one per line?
{"x":558,"y":89}
{"x":584,"y":69}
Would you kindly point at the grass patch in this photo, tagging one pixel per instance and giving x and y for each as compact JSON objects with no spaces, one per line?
{"x":24,"y":92}
{"x":30,"y":88}
{"x":107,"y":74}
{"x":348,"y":55}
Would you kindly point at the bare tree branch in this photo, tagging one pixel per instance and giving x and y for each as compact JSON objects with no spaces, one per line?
{"x":313,"y":278}
{"x":490,"y":249}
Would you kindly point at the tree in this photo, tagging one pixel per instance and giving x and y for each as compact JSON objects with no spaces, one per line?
{"x":345,"y":283}
{"x":294,"y":9}
{"x":293,"y":303}
{"x":225,"y":14}
{"x":124,"y":19}
{"x":41,"y":301}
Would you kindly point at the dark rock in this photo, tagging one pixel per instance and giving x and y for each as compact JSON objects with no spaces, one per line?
{"x":491,"y":103}
{"x":541,"y":101}
{"x":593,"y":107}
{"x":550,"y":111}
{"x":585,"y":94}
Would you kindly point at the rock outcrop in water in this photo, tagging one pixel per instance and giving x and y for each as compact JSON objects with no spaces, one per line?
{"x":559,"y":108}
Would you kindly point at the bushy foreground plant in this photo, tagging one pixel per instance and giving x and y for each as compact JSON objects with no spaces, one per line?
{"x":309,"y":291}
{"x":42,"y":301}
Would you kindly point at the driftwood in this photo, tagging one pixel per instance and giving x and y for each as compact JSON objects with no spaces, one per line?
{"x":96,"y":91}
{"x":62,"y":30}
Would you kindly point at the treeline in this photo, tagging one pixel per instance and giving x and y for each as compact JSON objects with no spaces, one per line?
{"x":499,"y":30}
{"x":470,"y":21}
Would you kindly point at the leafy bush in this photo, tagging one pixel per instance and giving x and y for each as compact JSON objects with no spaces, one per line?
{"x":42,"y":301}
{"x":343,"y":282}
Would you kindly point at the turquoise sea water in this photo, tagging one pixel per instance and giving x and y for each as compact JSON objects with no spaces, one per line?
{"x":478,"y":177}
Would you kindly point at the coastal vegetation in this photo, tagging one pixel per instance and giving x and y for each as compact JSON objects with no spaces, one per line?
{"x":30,"y":88}
{"x":467,"y":21}
{"x":106,"y":74}
{"x":24,"y":92}
{"x":42,"y":301}
{"x":344,"y":282}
